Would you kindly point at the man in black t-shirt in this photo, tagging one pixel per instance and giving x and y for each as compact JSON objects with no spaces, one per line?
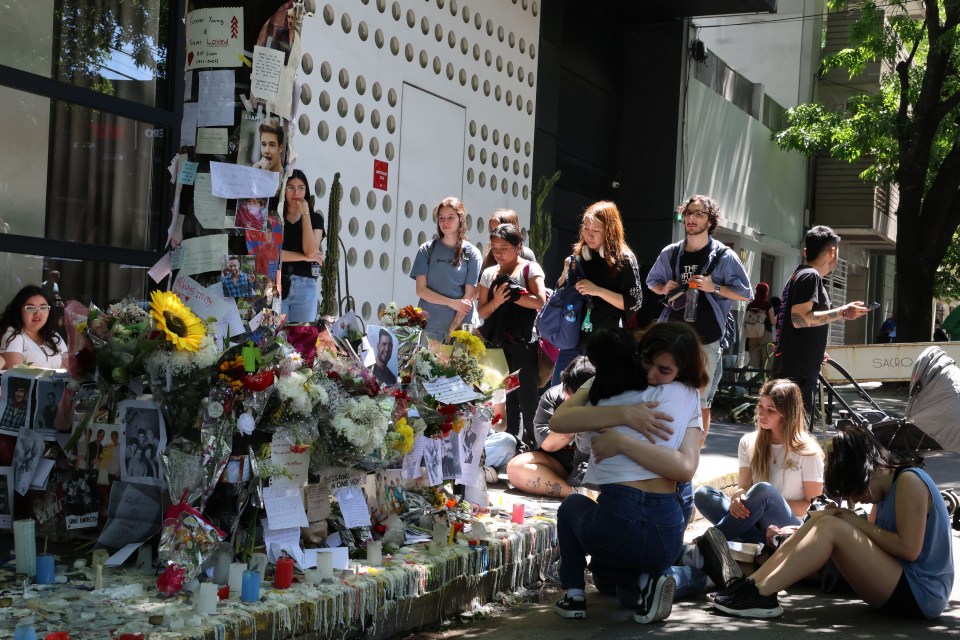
{"x":802,"y":322}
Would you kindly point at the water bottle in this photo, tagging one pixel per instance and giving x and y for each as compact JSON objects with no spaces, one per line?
{"x":569,"y":314}
{"x":690,"y":307}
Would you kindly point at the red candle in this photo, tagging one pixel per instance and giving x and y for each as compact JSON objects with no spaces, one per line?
{"x":284,"y":575}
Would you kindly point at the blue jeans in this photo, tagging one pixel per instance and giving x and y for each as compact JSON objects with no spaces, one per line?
{"x":300,"y":303}
{"x":564,"y":358}
{"x":627,"y":529}
{"x":764,"y":502}
{"x":500,"y":447}
{"x":690,"y":581}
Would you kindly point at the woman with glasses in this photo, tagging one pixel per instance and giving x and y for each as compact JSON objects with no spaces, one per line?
{"x":29,"y":331}
{"x":302,"y":234}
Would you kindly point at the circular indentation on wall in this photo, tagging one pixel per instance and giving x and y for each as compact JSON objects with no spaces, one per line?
{"x":509,"y":99}
{"x":511,"y":40}
{"x":320,"y":188}
{"x":497,"y":93}
{"x":425,"y":27}
{"x":477,"y":21}
{"x":306,"y":95}
{"x":366,"y":309}
{"x":480,"y":226}
{"x":529,"y":107}
{"x":440,"y":4}
{"x":494,"y":159}
{"x":526,"y":170}
{"x":465,"y":14}
{"x":324,"y":100}
{"x":384,"y":261}
{"x":406,"y":265}
{"x":361,"y":85}
{"x":516,"y":167}
{"x":463,"y":77}
{"x":523,"y":3}
{"x":326,"y":71}
{"x":470,"y":175}
{"x":464,"y":46}
{"x":328,"y":15}
{"x":527,"y":149}
{"x":380,"y":308}
{"x":363,"y":31}
{"x":515,"y":189}
{"x":530,"y":80}
{"x":510,"y":69}
{"x":493,"y":184}
{"x":306,"y":63}
{"x":391,"y":124}
{"x":369,"y":229}
{"x":469,"y":221}
{"x":381,"y":5}
{"x":486,"y":87}
{"x":344,"y":78}
{"x":408,"y":52}
{"x":394,"y":45}
{"x":472,"y":128}
{"x":358,"y":141}
{"x":408,"y":209}
{"x":352,"y":257}
{"x":304,"y":124}
{"x":500,"y":34}
{"x":476,"y":52}
{"x":423,"y":213}
{"x":472,"y":152}
{"x":520,"y":73}
{"x":310,"y":6}
{"x":354,"y":225}
{"x":375,"y":119}
{"x":396,"y":11}
{"x":533,"y":51}
{"x":488,"y":57}
{"x":499,"y":63}
{"x":388,"y":151}
{"x":474,"y":82}
{"x":407,"y":237}
{"x":483,"y":156}
{"x":378,"y":38}
{"x":484,"y":132}
{"x":371,"y":202}
{"x":411,"y":18}
{"x":453,"y":7}
{"x":438,"y":66}
{"x":341,"y":136}
{"x":451,"y":71}
{"x":342,"y":107}
{"x":504,"y":186}
{"x":523,"y":45}
{"x":506,"y":141}
{"x":392,"y":97}
{"x":377,"y":91}
{"x":323,"y":131}
{"x":421,"y":238}
{"x":358,"y":112}
{"x":534,"y":8}
{"x":451,"y":39}
{"x":387,"y":203}
{"x":424,"y":59}
{"x":496,"y":136}
{"x":347,"y":24}
{"x":516,"y":145}
{"x":489,"y":27}
{"x":526,"y":192}
{"x":482,"y":179}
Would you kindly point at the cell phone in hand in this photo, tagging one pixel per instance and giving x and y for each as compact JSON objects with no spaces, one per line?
{"x":873,"y":305}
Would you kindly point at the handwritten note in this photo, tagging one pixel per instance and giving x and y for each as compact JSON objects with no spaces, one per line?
{"x":214,"y":37}
{"x":212,"y":141}
{"x":451,"y":390}
{"x":196,"y":296}
{"x":208,"y":208}
{"x":133,"y":515}
{"x":265,"y":77}
{"x":411,"y":461}
{"x":216,"y":98}
{"x":295,"y":463}
{"x":353,"y":506}
{"x":237,"y":181}
{"x":284,"y":507}
{"x":337,"y":478}
{"x":188,"y":172}
{"x":188,"y":125}
{"x":202,"y":253}
{"x":280,"y":540}
{"x":317,"y":497}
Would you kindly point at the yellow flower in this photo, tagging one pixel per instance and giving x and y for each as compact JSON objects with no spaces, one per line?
{"x":179,"y":325}
{"x":470,"y":342}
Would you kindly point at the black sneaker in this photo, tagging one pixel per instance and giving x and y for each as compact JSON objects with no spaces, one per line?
{"x":717,"y":561}
{"x":656,"y":600}
{"x":571,"y":608}
{"x":746,"y":602}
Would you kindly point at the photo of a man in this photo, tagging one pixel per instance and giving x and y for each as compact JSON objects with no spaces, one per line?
{"x":237,"y":283}
{"x":385,"y":359}
{"x":271,"y":146}
{"x":15,"y":396}
{"x":49,"y":392}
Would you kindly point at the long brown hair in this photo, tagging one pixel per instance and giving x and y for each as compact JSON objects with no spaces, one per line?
{"x":614,"y":245}
{"x":457,"y":206}
{"x":788,"y":402}
{"x":500,"y":216}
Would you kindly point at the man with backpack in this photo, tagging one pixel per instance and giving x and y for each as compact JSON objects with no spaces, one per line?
{"x":703,"y":263}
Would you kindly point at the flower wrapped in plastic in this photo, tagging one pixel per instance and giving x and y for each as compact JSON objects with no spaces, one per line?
{"x":407,"y":324}
{"x":296,"y":399}
{"x":115,"y":335}
{"x":187,"y":541}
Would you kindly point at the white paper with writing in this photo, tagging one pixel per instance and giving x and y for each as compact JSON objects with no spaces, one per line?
{"x":338,"y":478}
{"x":451,"y":390}
{"x":411,"y":461}
{"x":353,"y":506}
{"x":265,"y":77}
{"x":433,"y":461}
{"x":236,"y":181}
{"x":216,"y":98}
{"x":214,"y":37}
{"x":281,"y":540}
{"x":472,"y":438}
{"x":188,"y":125}
{"x":296,"y":464}
{"x":317,"y":497}
{"x":208,"y":208}
{"x":284,"y":507}
{"x":212,"y":141}
{"x":202,"y":253}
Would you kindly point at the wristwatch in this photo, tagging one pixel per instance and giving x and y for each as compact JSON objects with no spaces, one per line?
{"x":716,"y":288}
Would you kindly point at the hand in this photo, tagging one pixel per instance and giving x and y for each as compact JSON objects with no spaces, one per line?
{"x":669,"y":286}
{"x":705,"y":282}
{"x":606,"y":444}
{"x":853,"y":310}
{"x":643,"y":419}
{"x":303,"y":208}
{"x":774,"y":530}
{"x":587,"y":288}
{"x":461,"y":306}
{"x":738,"y":509}
{"x":317,"y":257}
{"x":500,"y":295}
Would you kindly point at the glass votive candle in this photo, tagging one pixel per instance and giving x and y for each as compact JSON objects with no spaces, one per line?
{"x":45,"y":570}
{"x":250,"y":588}
{"x":283,"y":577}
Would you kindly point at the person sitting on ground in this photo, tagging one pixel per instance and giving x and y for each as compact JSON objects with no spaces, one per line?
{"x":902,"y":565}
{"x":555,"y":467}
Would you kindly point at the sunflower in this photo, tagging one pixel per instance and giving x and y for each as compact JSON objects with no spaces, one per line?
{"x":179,"y":325}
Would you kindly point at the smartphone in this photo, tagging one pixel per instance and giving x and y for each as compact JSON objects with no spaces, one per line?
{"x":873,"y":305}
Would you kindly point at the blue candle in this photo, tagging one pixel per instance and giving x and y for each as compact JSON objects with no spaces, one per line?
{"x":250,"y":590}
{"x":45,"y":572}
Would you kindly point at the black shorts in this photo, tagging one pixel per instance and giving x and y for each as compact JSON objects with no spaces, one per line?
{"x":902,"y":603}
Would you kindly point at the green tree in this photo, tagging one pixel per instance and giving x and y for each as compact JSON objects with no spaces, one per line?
{"x":909,"y":130}
{"x":541,"y":226}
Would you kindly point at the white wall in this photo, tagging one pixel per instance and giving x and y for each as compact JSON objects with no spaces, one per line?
{"x":478,"y":57}
{"x":780,"y":50}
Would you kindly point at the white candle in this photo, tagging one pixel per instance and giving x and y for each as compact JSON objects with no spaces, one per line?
{"x":375,"y":553}
{"x":206,"y":599}
{"x":221,"y":564}
{"x":236,"y":578}
{"x":98,"y":580}
{"x":313,"y":576}
{"x":325,"y":565}
{"x":25,"y":546}
{"x":258,"y":562}
{"x":99,"y":557}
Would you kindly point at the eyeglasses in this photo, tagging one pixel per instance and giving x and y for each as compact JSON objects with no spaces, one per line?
{"x":29,"y":308}
{"x":696,"y":213}
{"x":297,"y":188}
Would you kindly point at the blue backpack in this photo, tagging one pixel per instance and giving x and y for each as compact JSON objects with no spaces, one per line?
{"x":551,"y":324}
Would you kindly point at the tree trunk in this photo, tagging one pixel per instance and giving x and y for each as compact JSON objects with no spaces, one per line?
{"x":916,"y":265}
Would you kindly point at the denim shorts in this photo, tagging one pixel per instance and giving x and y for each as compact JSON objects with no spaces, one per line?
{"x":300,"y":302}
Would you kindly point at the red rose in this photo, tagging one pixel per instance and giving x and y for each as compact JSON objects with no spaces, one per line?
{"x":257,"y":381}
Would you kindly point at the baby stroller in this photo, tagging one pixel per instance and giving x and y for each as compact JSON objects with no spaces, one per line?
{"x":932,"y":418}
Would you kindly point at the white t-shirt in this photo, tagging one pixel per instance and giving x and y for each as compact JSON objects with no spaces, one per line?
{"x":676,"y":399}
{"x":787,"y":475}
{"x":33,"y":354}
{"x":490,"y":273}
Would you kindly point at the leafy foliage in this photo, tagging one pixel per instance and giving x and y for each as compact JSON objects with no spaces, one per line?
{"x":330,"y":271}
{"x":541,"y":227}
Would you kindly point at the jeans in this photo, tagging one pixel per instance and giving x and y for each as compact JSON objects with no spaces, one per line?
{"x":524,"y":400}
{"x":690,"y":581}
{"x":500,"y":448}
{"x":300,"y":303}
{"x":627,"y":529}
{"x":564,"y":358}
{"x":764,"y":502}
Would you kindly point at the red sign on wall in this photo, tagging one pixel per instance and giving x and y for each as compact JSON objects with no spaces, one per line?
{"x":380,"y":175}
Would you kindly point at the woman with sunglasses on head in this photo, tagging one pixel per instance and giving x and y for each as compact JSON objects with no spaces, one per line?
{"x":497,"y":218}
{"x":902,"y":565}
{"x":29,"y":331}
{"x":302,"y":255}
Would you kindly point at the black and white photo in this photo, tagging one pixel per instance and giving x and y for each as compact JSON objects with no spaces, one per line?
{"x":49,"y":392}
{"x":81,"y":499}
{"x":145,"y":439}
{"x":6,"y":497}
{"x":26,"y":457}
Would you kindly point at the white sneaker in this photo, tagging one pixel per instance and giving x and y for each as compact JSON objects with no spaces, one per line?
{"x":490,"y":475}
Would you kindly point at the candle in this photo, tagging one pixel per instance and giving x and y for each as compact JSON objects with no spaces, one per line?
{"x":283,"y":577}
{"x":258,"y":561}
{"x":205,"y":600}
{"x":375,"y":553}
{"x":99,"y":556}
{"x":325,"y":565}
{"x":313,"y":576}
{"x":250,"y":590}
{"x":517,"y":513}
{"x":452,"y":534}
{"x":98,"y":580}
{"x":236,"y":577}
{"x":45,"y":570}
{"x":221,"y":564}
{"x":25,"y":547}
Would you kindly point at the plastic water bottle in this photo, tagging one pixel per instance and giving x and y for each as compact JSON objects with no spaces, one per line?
{"x":690,"y":307}
{"x":569,"y":314}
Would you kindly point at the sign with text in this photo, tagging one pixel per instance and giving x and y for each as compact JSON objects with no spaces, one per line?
{"x":215,"y":38}
{"x":380,"y":169}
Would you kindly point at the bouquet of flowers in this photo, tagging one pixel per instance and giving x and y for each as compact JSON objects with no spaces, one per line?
{"x":115,"y":336}
{"x":409,"y":316}
{"x":463,"y":360}
{"x":407,"y":324}
{"x":398,"y":440}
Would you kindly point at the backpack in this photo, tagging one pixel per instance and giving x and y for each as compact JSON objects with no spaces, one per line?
{"x":550,"y":323}
{"x":754,"y":323}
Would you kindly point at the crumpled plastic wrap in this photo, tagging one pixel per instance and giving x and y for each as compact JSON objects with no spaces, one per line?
{"x":187,"y":541}
{"x":192,"y":469}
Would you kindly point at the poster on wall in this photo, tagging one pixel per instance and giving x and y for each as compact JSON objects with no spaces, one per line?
{"x":215,"y":38}
{"x":15,"y":407}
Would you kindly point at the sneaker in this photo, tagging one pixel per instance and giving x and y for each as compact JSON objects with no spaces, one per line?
{"x":571,"y":608}
{"x":490,"y":475}
{"x":717,"y":561}
{"x":745,"y":601}
{"x":656,"y":600}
